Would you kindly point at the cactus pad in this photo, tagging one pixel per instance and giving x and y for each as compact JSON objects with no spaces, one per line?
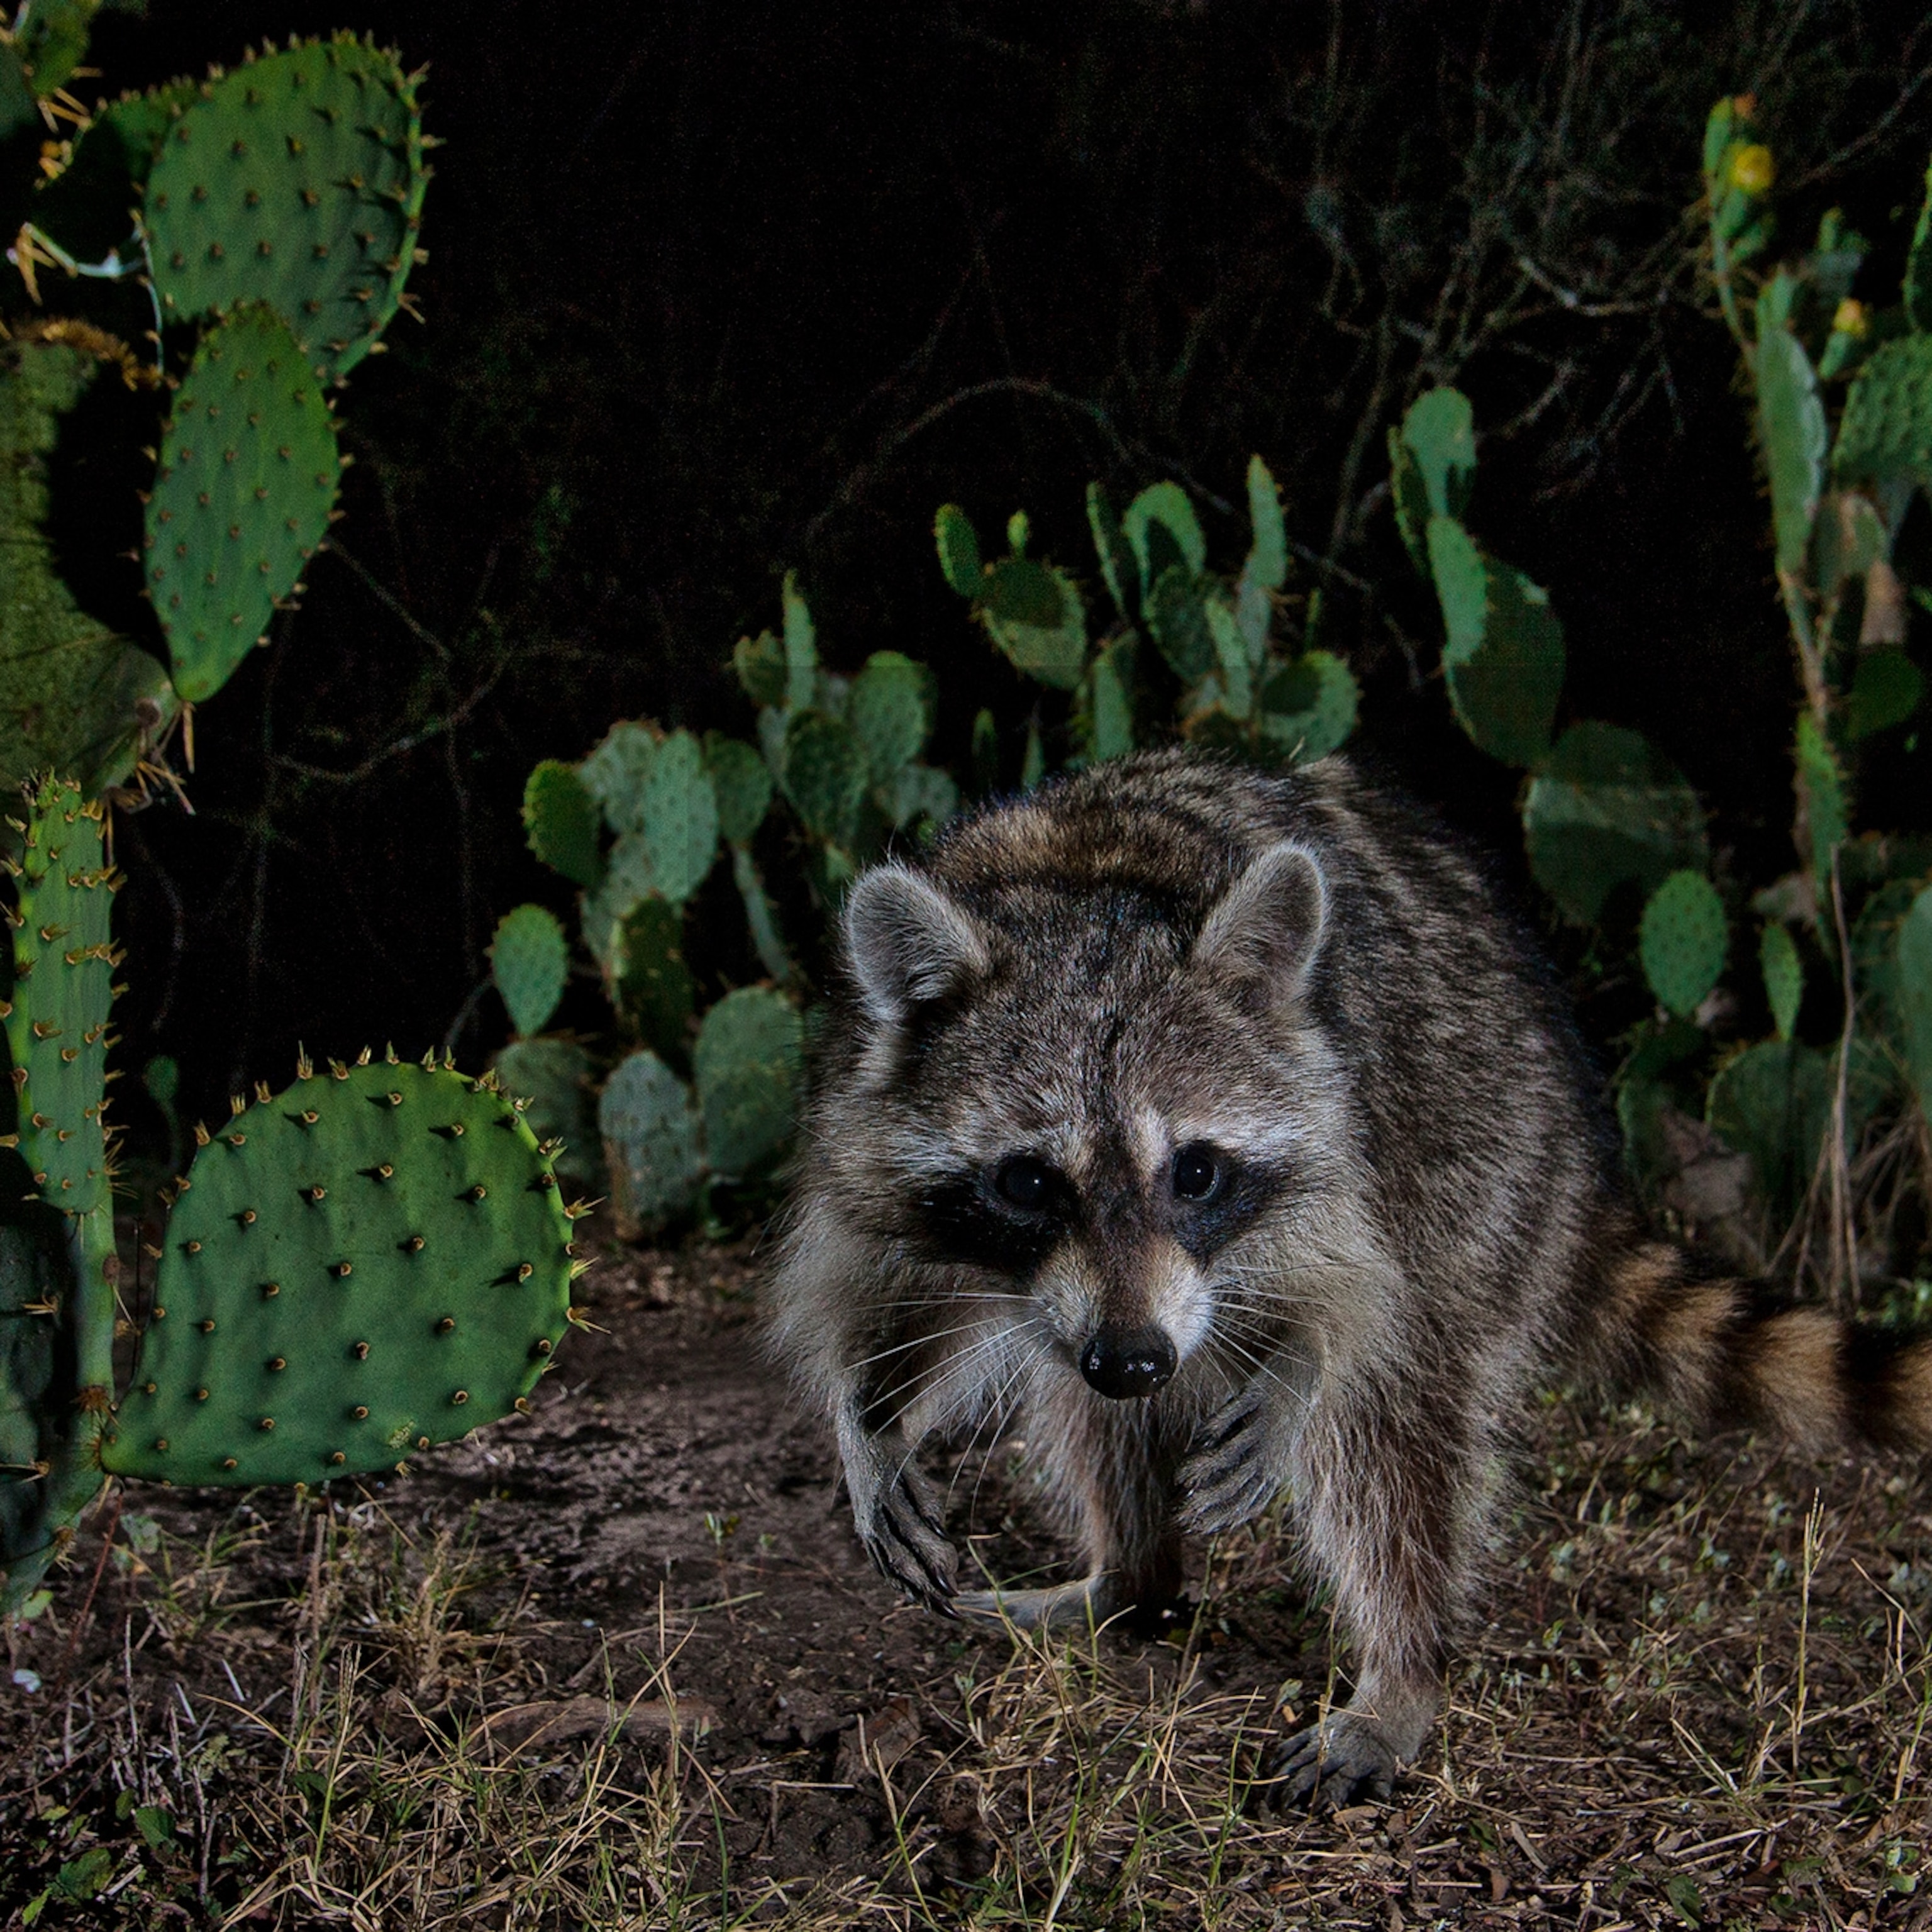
{"x":1783,"y":973}
{"x":1265,"y":570}
{"x":959,"y":549}
{"x":1177,"y":613}
{"x":248,"y":476}
{"x":653,"y":992}
{"x":296,"y":180}
{"x":890,"y":711}
{"x":1433,"y":465}
{"x":1791,"y":431}
{"x":530,"y":960}
{"x":651,"y":1133}
{"x":747,"y":1066}
{"x":1033,"y":613}
{"x":63,"y":976}
{"x":1773,"y":1101}
{"x":1161,"y":530}
{"x":1682,"y":941}
{"x":1503,"y":656}
{"x":1885,"y":691}
{"x":552,"y":1075}
{"x":801,"y":649}
{"x":1608,"y":808}
{"x":73,"y":696}
{"x":374,"y":1260}
{"x":741,"y":782}
{"x":825,"y":776}
{"x":760,"y":665}
{"x":1309,"y":707}
{"x":679,"y":812}
{"x":560,"y":820}
{"x":1886,"y":430}
{"x":1108,"y":713}
{"x":1117,"y":566}
{"x":615,"y":772}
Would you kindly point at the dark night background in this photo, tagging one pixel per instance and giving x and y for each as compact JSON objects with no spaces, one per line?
{"x":716,"y":291}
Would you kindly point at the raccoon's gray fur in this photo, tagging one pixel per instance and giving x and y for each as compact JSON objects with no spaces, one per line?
{"x":1219,"y":1128}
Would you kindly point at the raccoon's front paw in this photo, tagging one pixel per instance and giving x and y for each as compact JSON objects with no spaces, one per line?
{"x":1328,"y":1765}
{"x":1231,"y":1472}
{"x":905,"y":1542}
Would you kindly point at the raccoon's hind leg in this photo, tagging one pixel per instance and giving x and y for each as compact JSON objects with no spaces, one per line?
{"x":1110,"y":1466}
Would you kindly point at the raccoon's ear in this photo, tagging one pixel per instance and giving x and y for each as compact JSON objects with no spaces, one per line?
{"x":908,"y":942}
{"x":1266,"y":930}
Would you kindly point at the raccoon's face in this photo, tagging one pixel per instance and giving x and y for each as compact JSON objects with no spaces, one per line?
{"x":1070,"y":1102}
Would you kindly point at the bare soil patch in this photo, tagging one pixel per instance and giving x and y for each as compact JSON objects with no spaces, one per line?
{"x":620,"y":1664}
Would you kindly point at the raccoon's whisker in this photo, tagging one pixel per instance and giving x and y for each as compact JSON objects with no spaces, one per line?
{"x":1263,"y":1369}
{"x":954,"y":1369}
{"x":918,"y":1341}
{"x":996,"y":1413}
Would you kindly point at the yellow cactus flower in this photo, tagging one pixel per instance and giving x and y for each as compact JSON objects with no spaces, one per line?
{"x":1849,"y":318}
{"x":1753,"y":169}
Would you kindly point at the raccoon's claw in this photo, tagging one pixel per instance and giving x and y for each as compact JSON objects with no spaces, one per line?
{"x":910,"y":1548}
{"x":1327,"y":1766}
{"x":1229,"y":1476}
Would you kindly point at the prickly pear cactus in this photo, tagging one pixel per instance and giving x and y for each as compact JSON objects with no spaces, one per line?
{"x":530,"y":960}
{"x":63,"y":981}
{"x":747,"y":1068}
{"x":1682,"y":941}
{"x":76,"y":696}
{"x":652,"y":1140}
{"x":650,"y":985}
{"x":552,"y":1076}
{"x":560,"y":820}
{"x":371,"y":1262}
{"x":296,"y":180}
{"x":248,"y":476}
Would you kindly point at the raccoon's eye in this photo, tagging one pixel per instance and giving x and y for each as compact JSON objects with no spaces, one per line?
{"x":1024,"y":1182}
{"x":1197,"y":1174}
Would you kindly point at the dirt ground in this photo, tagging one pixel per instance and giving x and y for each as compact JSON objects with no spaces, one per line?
{"x":621,"y":1664}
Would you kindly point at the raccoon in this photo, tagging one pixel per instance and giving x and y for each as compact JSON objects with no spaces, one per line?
{"x":1221,"y":1129}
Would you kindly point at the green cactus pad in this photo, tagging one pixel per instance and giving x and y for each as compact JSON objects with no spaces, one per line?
{"x":741,"y":782}
{"x":74,"y":697}
{"x":1434,"y":461}
{"x":1682,"y":941}
{"x":1503,"y":656}
{"x":1265,"y":570}
{"x":1118,"y":564}
{"x":552,"y":1076}
{"x":680,"y":818}
{"x":890,"y":711}
{"x":560,"y":820}
{"x":374,"y":1260}
{"x":766,"y":938}
{"x":530,"y":960}
{"x":248,"y":476}
{"x":1821,"y":792}
{"x":616,"y":773}
{"x":652,"y":988}
{"x":1161,"y":530}
{"x":801,"y":649}
{"x":958,"y":545}
{"x":1309,"y":707}
{"x":651,"y":1138}
{"x":825,"y":776}
{"x":747,"y":1066}
{"x":1783,"y":973}
{"x":627,"y":878}
{"x":1791,"y":433}
{"x":63,"y":979}
{"x":1233,"y":670}
{"x":1886,"y":430}
{"x":1176,"y":614}
{"x":986,"y":752}
{"x":760,"y":665}
{"x":920,"y":792}
{"x":1608,"y":808}
{"x":1033,"y":613}
{"x":1849,"y":537}
{"x":45,"y":1473}
{"x":1885,"y":691}
{"x":297,"y":180}
{"x":1911,"y":994}
{"x":1773,"y":1101}
{"x":1108,"y":715}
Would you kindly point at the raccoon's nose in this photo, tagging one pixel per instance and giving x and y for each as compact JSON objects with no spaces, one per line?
{"x":1124,"y":1362}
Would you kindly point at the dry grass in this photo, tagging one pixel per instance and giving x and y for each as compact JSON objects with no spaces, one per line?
{"x":1704,"y":1701}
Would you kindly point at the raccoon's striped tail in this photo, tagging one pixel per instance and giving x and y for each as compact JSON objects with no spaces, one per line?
{"x":1727,"y":1353}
